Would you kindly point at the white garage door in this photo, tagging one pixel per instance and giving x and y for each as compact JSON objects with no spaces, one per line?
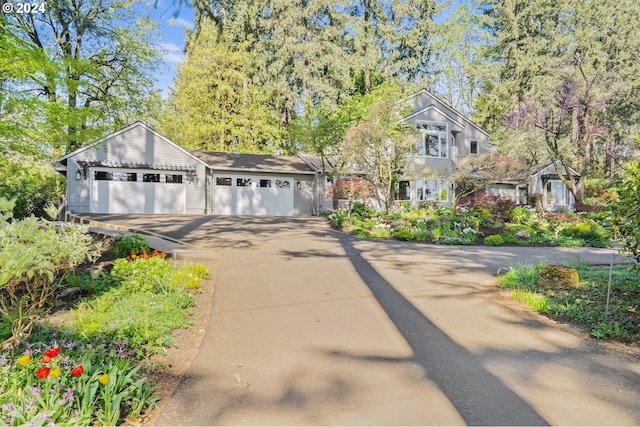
{"x":114,"y":191}
{"x":259,"y":195}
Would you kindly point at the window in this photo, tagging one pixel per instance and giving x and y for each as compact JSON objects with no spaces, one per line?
{"x":115,"y":176}
{"x":226,"y":182}
{"x":433,"y":140}
{"x":173,"y":179}
{"x":265,"y":183}
{"x":434,"y":191}
{"x":283,"y":183}
{"x":556,"y":192}
{"x":473,"y":146}
{"x":403,"y":191}
{"x":243,"y":182}
{"x":151,"y":177}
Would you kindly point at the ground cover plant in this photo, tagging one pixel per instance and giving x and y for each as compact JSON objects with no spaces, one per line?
{"x":586,"y":304}
{"x":85,"y":370}
{"x":480,"y":220}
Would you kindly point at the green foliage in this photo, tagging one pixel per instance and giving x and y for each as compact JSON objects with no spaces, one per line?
{"x":145,"y":303}
{"x":31,"y":183}
{"x":361,"y":209}
{"x":533,"y":300}
{"x":454,"y":241}
{"x":627,"y":216}
{"x":338,"y":217}
{"x":403,"y":234}
{"x":522,"y":215}
{"x":588,"y":231}
{"x":360,"y":232}
{"x":495,"y":240}
{"x":36,"y":257}
{"x":128,"y":244}
{"x":521,"y":276}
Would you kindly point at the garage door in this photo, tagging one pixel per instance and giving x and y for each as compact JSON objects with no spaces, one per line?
{"x":114,"y":191}
{"x":258,"y":195}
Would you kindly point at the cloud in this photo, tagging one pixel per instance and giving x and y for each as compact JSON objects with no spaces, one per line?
{"x":172,"y":53}
{"x":182,"y":23}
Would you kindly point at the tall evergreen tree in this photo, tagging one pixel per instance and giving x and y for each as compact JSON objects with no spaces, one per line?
{"x":215,"y":105}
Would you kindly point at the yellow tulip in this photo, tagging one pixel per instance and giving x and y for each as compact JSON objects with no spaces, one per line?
{"x":24,"y":360}
{"x":55,"y":373}
{"x":104,"y":378}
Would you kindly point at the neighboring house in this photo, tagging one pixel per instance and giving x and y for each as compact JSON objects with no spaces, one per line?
{"x":137,"y":170}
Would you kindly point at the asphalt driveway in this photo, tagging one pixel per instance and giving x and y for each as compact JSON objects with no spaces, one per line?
{"x":314,"y":327}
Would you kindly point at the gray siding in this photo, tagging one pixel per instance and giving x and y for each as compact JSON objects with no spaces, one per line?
{"x":136,"y":144}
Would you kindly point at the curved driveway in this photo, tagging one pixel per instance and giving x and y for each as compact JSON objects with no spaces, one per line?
{"x":314,"y":327}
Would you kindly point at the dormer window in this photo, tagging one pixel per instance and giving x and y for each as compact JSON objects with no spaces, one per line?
{"x":432,"y":139}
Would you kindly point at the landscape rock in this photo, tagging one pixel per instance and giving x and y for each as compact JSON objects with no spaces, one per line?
{"x":559,"y":276}
{"x":69,"y":294}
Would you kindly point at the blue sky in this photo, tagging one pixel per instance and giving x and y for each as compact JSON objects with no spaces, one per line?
{"x":170,"y":40}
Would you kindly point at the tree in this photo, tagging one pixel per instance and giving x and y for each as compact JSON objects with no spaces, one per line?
{"x":377,"y":146}
{"x":627,"y":214}
{"x":567,"y":66}
{"x":89,"y":73}
{"x":215,"y":104}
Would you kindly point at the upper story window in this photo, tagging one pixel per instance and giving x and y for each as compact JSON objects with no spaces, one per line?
{"x":473,"y":147}
{"x":433,"y":140}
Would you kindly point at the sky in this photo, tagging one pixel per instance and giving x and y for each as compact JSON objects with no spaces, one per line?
{"x":171,"y":23}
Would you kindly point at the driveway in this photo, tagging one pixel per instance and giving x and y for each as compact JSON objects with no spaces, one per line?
{"x":313,"y":327}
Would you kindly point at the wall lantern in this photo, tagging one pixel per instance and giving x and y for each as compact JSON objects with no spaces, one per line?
{"x":298,"y":185}
{"x":78,"y":175}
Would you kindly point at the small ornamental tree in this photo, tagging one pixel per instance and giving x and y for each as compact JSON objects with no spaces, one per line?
{"x":35,"y":257}
{"x":351,"y":190}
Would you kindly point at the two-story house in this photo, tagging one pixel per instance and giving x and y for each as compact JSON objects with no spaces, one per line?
{"x":444,"y":137}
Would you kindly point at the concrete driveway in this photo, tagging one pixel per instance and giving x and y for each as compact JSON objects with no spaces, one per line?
{"x":314,"y":327}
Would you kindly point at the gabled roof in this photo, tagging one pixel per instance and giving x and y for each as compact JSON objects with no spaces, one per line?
{"x":459,"y":118}
{"x":541,"y":168}
{"x":124,"y":130}
{"x":254,"y":162}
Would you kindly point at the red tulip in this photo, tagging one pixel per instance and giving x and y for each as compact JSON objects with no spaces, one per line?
{"x":77,"y":371}
{"x":53,"y":352}
{"x":43,"y":372}
{"x":45,"y":359}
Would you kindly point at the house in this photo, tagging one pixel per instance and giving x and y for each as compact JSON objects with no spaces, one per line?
{"x":137,"y":170}
{"x":545,"y":183}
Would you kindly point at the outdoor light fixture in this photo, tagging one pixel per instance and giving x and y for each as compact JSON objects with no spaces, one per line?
{"x":298,"y":185}
{"x":78,"y":175}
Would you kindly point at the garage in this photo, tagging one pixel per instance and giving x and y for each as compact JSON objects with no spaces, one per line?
{"x":138,"y":171}
{"x":131,"y":191}
{"x":253,"y":195}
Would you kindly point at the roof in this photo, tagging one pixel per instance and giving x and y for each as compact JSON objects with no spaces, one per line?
{"x":541,"y":168}
{"x":254,"y":162}
{"x":121,"y":131}
{"x":460,"y":116}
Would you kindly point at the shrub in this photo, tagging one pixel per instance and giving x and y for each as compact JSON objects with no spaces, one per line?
{"x":521,"y":215}
{"x":35,"y":259}
{"x":495,"y":240}
{"x":128,"y":244}
{"x":592,"y":233}
{"x":454,"y":241}
{"x":403,"y":234}
{"x":360,"y":232}
{"x":338,"y":217}
{"x":361,"y":209}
